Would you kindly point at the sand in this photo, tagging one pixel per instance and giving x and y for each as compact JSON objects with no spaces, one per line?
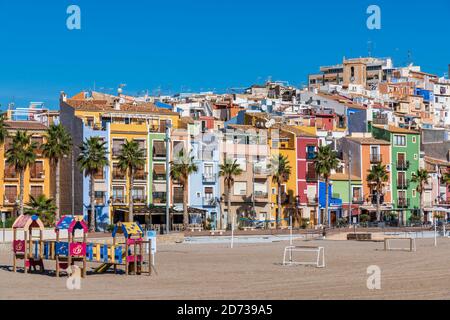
{"x":254,"y":271}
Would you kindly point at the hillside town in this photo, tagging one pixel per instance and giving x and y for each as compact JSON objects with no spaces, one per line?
{"x":365,"y":142}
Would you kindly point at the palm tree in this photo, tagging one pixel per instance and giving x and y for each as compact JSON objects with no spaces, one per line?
{"x":92,"y":159}
{"x":281,"y":170}
{"x":3,"y":128}
{"x":58,"y":145}
{"x":180,"y":169}
{"x":421,"y":178}
{"x":325,"y":161}
{"x":21,"y":155}
{"x":377,"y":177}
{"x":43,"y":207}
{"x":228,"y":170}
{"x":131,"y":158}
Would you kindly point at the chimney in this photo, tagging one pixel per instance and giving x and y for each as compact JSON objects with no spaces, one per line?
{"x":116,"y":104}
{"x":63,"y":96}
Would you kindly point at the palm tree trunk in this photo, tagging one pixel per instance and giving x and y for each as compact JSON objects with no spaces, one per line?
{"x":57,"y":189}
{"x":421,"y":205}
{"x":93,"y":223}
{"x":185,"y":207}
{"x":378,"y":204}
{"x":326,"y":221}
{"x":278,"y":215}
{"x":229,"y":216}
{"x":22,"y":187}
{"x":131,"y":200}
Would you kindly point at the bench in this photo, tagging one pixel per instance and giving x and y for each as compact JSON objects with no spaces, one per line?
{"x":359,"y":236}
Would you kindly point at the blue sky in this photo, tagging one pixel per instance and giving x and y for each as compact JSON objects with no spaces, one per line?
{"x":199,"y":45}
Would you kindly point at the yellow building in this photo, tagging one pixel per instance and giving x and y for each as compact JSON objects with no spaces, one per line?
{"x":37,"y":176}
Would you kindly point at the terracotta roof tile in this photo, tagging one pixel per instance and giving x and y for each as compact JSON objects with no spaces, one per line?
{"x":368,"y":140}
{"x":25,"y":125}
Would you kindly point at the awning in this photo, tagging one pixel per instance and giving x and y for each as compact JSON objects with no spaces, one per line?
{"x":159,"y":147}
{"x":159,"y":169}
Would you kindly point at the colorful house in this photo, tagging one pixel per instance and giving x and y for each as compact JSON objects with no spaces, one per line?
{"x":405,"y":155}
{"x":350,"y":190}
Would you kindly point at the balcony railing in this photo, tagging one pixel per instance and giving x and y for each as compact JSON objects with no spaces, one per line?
{"x":402,"y":203}
{"x":158,"y":200}
{"x":209,"y":178}
{"x":375,"y":158}
{"x":261,"y":171}
{"x":402,"y":184}
{"x":159,"y":177}
{"x":380,"y":121}
{"x":402,"y":165}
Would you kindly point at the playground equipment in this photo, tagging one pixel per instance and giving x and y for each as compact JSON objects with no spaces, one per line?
{"x":412,"y":244}
{"x":129,"y":253}
{"x":27,"y":249}
{"x":66,"y":253}
{"x":320,"y":256}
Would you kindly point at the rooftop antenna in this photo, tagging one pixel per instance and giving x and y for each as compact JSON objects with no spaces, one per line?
{"x":409,"y":62}
{"x":369,"y":48}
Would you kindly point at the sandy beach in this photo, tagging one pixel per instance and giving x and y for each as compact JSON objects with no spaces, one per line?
{"x":254,"y":271}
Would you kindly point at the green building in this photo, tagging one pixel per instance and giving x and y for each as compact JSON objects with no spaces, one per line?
{"x":405,"y":146}
{"x":341,"y":187}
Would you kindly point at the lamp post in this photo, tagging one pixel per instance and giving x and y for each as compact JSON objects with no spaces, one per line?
{"x":349,"y":188}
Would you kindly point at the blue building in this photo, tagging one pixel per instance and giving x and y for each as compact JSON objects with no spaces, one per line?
{"x":334,"y":204}
{"x":204,"y":187}
{"x":102,"y":179}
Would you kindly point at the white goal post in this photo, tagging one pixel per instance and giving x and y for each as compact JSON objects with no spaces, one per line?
{"x":288,"y":258}
{"x":412,"y":244}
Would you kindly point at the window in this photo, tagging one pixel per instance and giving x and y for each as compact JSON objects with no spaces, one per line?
{"x":357,"y":194}
{"x":178,"y":195}
{"x":208,"y":171}
{"x":118,"y":194}
{"x":141,"y":144}
{"x":209,"y":193}
{"x":177,"y":147}
{"x":399,"y":140}
{"x":10,"y":194}
{"x":37,"y":170}
{"x":310,"y":152}
{"x":99,"y":197}
{"x":242,"y":162}
{"x":414,"y":139}
{"x":414,"y":193}
{"x":36,"y":191}
{"x":139,"y":194}
{"x":117,"y":146}
{"x":159,"y":149}
{"x":240,"y":188}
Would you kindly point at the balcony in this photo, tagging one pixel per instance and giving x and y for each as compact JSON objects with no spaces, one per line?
{"x":311,"y":176}
{"x":358,"y":200}
{"x":100,"y":201}
{"x":375,"y":158}
{"x":402,"y":184}
{"x":261,"y":172}
{"x":99,"y":175}
{"x":313,"y":201}
{"x":208,"y":201}
{"x":380,"y":120}
{"x":116,"y":150}
{"x":261,"y":195}
{"x":139,"y":200}
{"x":37,"y":175}
{"x":10,"y":201}
{"x":118,"y":175}
{"x":402,"y":203}
{"x":159,"y":177}
{"x":209,"y":178}
{"x":118,"y":200}
{"x":10,"y":174}
{"x":140,"y":176}
{"x":402,"y":165}
{"x":159,"y":200}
